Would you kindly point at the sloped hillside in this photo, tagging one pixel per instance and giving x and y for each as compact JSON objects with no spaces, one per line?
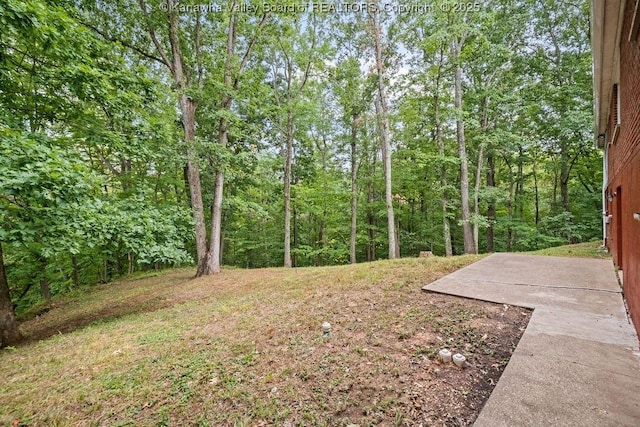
{"x":247,"y":347}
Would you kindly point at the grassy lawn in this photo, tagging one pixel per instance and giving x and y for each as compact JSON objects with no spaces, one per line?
{"x":246,"y":347}
{"x":580,"y":250}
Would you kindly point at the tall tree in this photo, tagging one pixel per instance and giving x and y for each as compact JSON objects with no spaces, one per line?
{"x":230,"y":80}
{"x":428,"y":42}
{"x":186,"y":81}
{"x":156,"y":34}
{"x":175,"y":37}
{"x":382,"y":112}
{"x":355,"y":96}
{"x":292,"y":63}
{"x":446,"y":226}
{"x":457,"y":44}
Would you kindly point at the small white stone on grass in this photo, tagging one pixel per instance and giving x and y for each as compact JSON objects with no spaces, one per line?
{"x":459,"y":360}
{"x":326,"y":329}
{"x":445,"y":355}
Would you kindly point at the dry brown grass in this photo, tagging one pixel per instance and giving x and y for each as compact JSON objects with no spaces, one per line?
{"x":246,"y":348}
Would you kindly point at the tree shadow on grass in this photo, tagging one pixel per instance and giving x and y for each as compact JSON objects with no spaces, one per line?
{"x":66,"y":315}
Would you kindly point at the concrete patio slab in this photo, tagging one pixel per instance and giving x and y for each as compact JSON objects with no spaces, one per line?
{"x":578,"y":362}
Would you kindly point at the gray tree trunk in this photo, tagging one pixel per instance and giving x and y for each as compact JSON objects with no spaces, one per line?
{"x":383,"y":125}
{"x":292,"y":95}
{"x":75,"y":276}
{"x":211,"y":264}
{"x":386,"y":166}
{"x":213,"y":258}
{"x":446,"y":227}
{"x":288,"y":154}
{"x":214,"y":253}
{"x":536,"y":191}
{"x":354,"y":190}
{"x":484,"y":126}
{"x":371,"y":223}
{"x":510,"y":203}
{"x":491,"y":207}
{"x":476,"y":196}
{"x":188,"y":107}
{"x":469,"y":245}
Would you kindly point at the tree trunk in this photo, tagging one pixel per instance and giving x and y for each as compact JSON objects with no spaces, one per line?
{"x":397,"y":227}
{"x":211,"y":264}
{"x":9,"y":333}
{"x":491,"y":207}
{"x":383,"y":125}
{"x":386,"y":166}
{"x":446,"y":226}
{"x":322,"y":225}
{"x":45,"y":289}
{"x":188,"y":106}
{"x":476,"y":197}
{"x":520,"y":184}
{"x":119,"y":267}
{"x":130,"y":263}
{"x":288,"y":153}
{"x":291,"y":97}
{"x":476,"y":194}
{"x":510,"y":207}
{"x":193,"y":174}
{"x":371,"y":223}
{"x":469,"y":245}
{"x":319,"y":242}
{"x":537,"y":191}
{"x":354,"y":190}
{"x":554,"y":200}
{"x":564,"y":184}
{"x":102,"y":274}
{"x":294,"y":232}
{"x":75,"y":275}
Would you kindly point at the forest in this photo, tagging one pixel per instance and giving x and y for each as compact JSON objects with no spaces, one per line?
{"x":141,"y":134}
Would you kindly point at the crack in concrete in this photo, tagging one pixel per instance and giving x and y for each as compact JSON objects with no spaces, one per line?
{"x":577,"y":288}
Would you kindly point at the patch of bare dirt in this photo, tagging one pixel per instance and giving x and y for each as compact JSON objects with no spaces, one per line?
{"x":378,"y":366}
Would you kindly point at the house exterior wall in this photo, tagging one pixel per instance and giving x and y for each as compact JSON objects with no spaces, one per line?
{"x":623,"y":188}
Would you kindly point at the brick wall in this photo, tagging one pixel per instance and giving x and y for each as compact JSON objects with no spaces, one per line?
{"x":624,"y":170}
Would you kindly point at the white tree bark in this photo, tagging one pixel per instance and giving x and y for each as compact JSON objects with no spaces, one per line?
{"x":382,"y":111}
{"x":469,"y":245}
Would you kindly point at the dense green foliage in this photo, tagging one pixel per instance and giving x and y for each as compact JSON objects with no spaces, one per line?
{"x":93,"y":139}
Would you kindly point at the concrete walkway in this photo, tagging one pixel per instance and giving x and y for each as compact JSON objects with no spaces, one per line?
{"x":577,"y":363}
